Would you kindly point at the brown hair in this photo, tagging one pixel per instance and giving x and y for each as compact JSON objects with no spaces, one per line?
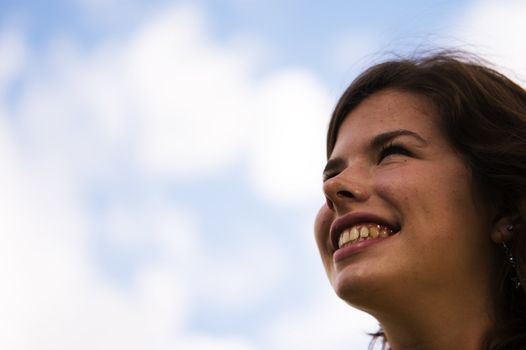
{"x":483,"y":113}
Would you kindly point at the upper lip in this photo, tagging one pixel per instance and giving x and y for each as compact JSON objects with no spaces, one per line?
{"x":349,"y":220}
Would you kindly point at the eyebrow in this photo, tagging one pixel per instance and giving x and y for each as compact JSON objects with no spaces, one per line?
{"x":334,"y":164}
{"x":381,"y":139}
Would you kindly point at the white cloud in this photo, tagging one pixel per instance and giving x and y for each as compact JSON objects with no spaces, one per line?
{"x":177,"y":105}
{"x":494,"y":29}
{"x":350,"y":51}
{"x":165,"y":102}
{"x":204,"y":110}
{"x":288,"y":134}
{"x":194,"y":97}
{"x":326,"y":324}
{"x":12,"y":56}
{"x":206,"y":342}
{"x":53,"y":296}
{"x":242,"y":277}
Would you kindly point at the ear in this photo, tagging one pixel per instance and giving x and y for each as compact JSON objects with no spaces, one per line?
{"x":502,"y":230}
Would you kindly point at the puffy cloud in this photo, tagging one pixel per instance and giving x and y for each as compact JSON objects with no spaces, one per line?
{"x":206,"y":342}
{"x":326,"y":324}
{"x":493,"y":29}
{"x":350,"y":51}
{"x":288,"y":136}
{"x":204,"y":109}
{"x":193,"y":97}
{"x":176,"y":104}
{"x":164,"y":102}
{"x":12,"y":55}
{"x":53,"y":294}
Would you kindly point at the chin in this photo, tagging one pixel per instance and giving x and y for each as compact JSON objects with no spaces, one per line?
{"x":352,"y":288}
{"x":362,"y":291}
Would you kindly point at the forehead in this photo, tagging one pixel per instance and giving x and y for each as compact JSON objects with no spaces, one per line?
{"x":386,"y":111}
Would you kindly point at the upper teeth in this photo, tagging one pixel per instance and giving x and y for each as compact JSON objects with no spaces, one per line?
{"x":362,"y":232}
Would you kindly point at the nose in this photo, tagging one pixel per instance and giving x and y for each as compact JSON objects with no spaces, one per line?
{"x":346,"y":189}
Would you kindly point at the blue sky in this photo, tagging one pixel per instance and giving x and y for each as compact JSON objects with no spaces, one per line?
{"x":162,"y":163}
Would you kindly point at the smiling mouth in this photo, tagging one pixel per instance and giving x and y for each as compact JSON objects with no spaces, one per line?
{"x":363,"y":232}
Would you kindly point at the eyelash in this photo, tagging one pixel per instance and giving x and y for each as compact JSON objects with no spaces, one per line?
{"x":386,"y":151}
{"x":390,"y":149}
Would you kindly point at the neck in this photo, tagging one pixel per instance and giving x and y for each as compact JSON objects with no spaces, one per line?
{"x":442,"y":322}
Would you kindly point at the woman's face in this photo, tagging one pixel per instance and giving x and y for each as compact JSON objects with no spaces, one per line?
{"x":393,"y":173}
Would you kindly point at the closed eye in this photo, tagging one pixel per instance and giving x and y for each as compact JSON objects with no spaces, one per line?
{"x":392,"y":149}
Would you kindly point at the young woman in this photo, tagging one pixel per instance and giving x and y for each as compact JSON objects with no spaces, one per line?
{"x":424,"y":224}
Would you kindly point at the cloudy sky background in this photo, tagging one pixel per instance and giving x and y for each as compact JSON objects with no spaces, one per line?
{"x":161,"y":163}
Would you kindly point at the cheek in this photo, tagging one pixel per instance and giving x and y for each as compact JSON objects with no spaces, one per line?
{"x":396,"y":186}
{"x":432,"y":188}
{"x":437,"y":202}
{"x":322,"y":226}
{"x":437,"y":206}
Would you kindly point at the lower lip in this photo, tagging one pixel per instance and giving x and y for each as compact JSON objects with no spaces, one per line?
{"x":345,"y":252}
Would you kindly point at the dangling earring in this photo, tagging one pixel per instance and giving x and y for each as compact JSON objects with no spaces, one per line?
{"x":513,"y":262}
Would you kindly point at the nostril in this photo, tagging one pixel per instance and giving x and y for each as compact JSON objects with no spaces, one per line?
{"x":344,"y":194}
